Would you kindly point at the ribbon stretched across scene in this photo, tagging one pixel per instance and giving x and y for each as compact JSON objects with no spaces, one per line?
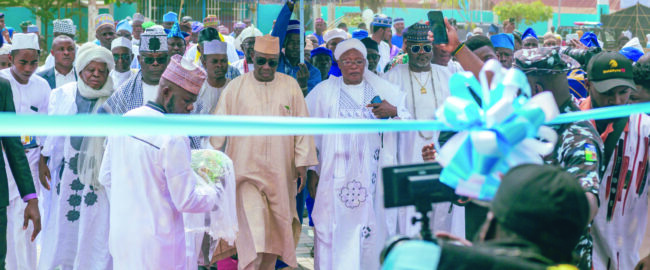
{"x":498,"y":125}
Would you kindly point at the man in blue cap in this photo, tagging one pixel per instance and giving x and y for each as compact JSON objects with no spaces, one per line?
{"x":288,"y":32}
{"x":124,"y":29}
{"x":504,"y":46}
{"x":176,"y":40}
{"x":321,"y":58}
{"x":397,"y":39}
{"x":169,"y":19}
{"x":493,"y":30}
{"x":360,"y":34}
{"x":529,"y":39}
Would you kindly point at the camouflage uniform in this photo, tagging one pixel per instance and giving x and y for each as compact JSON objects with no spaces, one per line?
{"x":579,"y":149}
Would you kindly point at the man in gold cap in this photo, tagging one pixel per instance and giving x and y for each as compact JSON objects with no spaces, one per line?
{"x":269,"y":168}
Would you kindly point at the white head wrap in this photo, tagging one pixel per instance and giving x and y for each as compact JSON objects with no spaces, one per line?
{"x":92,"y":148}
{"x":250,"y":31}
{"x":350,"y":44}
{"x":335,"y":33}
{"x":370,"y":77}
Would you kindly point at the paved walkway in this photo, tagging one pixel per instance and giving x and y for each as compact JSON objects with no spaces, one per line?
{"x":305,"y":261}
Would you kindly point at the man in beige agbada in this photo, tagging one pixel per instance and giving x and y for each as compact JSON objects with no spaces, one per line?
{"x":267,"y":167}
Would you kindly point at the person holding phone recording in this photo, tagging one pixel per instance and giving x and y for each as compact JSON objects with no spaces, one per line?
{"x":426,"y":87}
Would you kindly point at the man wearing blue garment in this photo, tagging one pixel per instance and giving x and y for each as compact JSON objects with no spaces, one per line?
{"x":319,"y":30}
{"x":529,"y":39}
{"x":288,"y":32}
{"x":398,"y":39}
{"x":124,"y":29}
{"x":504,"y":46}
{"x":176,"y":40}
{"x":169,"y":19}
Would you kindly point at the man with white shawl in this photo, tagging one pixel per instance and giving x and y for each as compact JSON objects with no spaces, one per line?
{"x":348,"y":213}
{"x":150,"y":182}
{"x":426,"y":87}
{"x":76,"y":236}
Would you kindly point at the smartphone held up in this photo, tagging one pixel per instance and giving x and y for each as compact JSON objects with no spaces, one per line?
{"x":438,"y":27}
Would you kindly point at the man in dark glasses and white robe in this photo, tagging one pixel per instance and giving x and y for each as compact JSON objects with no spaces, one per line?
{"x":426,"y":87}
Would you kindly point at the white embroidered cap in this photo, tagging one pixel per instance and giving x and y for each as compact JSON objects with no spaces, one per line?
{"x":65,"y":26}
{"x":153,"y":40}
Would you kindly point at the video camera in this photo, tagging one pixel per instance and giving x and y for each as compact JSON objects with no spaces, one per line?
{"x":418,"y":185}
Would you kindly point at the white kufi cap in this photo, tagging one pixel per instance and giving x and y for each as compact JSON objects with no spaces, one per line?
{"x":25,"y":41}
{"x":215,"y":47}
{"x":121,"y":42}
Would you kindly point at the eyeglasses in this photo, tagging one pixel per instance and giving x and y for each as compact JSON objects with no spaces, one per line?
{"x":125,"y":57}
{"x":161,"y":60}
{"x":416,"y":48}
{"x":355,"y":62}
{"x":263,"y":61}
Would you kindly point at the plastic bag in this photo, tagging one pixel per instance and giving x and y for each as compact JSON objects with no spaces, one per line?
{"x":216,"y":169}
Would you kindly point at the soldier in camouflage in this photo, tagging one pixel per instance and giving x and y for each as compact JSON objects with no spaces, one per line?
{"x":579,"y":148}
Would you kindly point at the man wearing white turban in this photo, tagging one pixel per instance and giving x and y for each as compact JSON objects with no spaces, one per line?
{"x":348,"y":212}
{"x":245,"y":42}
{"x":78,"y":231}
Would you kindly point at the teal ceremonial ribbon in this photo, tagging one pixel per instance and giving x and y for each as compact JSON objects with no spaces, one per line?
{"x":208,"y":125}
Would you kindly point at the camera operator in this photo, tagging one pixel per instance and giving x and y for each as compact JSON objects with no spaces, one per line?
{"x":535,"y":220}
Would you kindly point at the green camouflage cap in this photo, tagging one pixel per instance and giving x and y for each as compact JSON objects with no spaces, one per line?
{"x":547,"y":60}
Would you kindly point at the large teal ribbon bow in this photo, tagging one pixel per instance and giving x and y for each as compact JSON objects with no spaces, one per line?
{"x":501,"y":126}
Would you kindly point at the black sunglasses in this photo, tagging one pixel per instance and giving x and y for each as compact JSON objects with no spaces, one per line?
{"x":125,"y":57}
{"x":263,"y":61}
{"x":416,"y":48}
{"x":161,"y":60}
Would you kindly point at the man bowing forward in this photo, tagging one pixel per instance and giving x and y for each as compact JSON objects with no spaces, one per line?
{"x":150,"y":182}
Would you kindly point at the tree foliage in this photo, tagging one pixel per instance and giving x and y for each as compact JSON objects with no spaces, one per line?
{"x":45,"y":9}
{"x":528,"y":13}
{"x":374,"y":5}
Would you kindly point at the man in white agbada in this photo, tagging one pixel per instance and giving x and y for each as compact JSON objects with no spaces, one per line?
{"x":122,"y":55}
{"x":426,"y":87}
{"x":31,"y":96}
{"x":245,"y":42}
{"x":348,"y":213}
{"x":146,"y":221}
{"x":215,"y":61}
{"x":77,"y":233}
